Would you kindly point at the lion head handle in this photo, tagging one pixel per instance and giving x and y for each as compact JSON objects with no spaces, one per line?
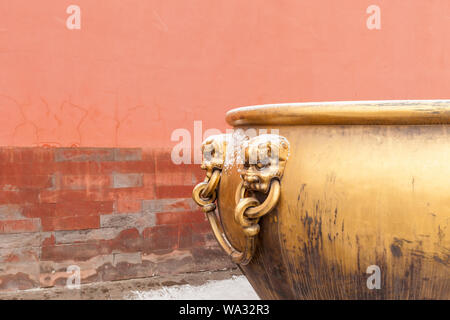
{"x":214,"y":150}
{"x":265,"y":160}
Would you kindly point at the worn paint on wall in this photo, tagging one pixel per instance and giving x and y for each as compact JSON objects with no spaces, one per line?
{"x":114,"y":213}
{"x":136,"y":70}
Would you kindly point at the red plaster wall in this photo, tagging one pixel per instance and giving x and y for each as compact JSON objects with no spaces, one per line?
{"x":139,"y":69}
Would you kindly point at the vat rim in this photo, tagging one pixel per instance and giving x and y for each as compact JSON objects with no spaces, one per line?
{"x":370,"y":112}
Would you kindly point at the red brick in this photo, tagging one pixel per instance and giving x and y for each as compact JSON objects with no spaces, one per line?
{"x":25,"y":182}
{"x":148,"y":180}
{"x":179,"y":217}
{"x":69,"y":209}
{"x":127,"y":241}
{"x":26,"y":155}
{"x":19,"y":226}
{"x":149,"y":154}
{"x":54,"y":196}
{"x":25,"y":169}
{"x":201,"y":227}
{"x":39,"y":210}
{"x":161,"y":238}
{"x":170,"y":192}
{"x":129,"y":206}
{"x":166,"y":165}
{"x":19,"y":255}
{"x":83,"y":208}
{"x":174,"y":178}
{"x":201,"y":233}
{"x":127,"y":180}
{"x":185,"y":236}
{"x":128,"y":154}
{"x":11,"y":211}
{"x":85,"y":181}
{"x":134,"y":193}
{"x":84,"y":154}
{"x":74,"y":252}
{"x":78,"y":168}
{"x":169,"y":205}
{"x":50,"y":241}
{"x":70,"y":223}
{"x":128,"y":167}
{"x":18,"y":197}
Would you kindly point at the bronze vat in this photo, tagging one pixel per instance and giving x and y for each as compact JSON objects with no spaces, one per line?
{"x":344,"y":200}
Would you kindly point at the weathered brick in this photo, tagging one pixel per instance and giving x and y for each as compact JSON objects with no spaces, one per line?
{"x":19,"y":276}
{"x":56,"y":196}
{"x":19,"y":255}
{"x":127,"y":180}
{"x":84,"y":154}
{"x":173,"y":262}
{"x":148,"y":180}
{"x":11,"y":211}
{"x":55,"y":273}
{"x":211,"y":258}
{"x":139,"y":220}
{"x":179,"y":217}
{"x":134,"y":193}
{"x":127,"y":257}
{"x":127,"y":167}
{"x":18,"y":182}
{"x":128,"y":154}
{"x":20,"y":226}
{"x":70,"y":223}
{"x":74,"y":252}
{"x":128,"y":206}
{"x":83,"y":208}
{"x":171,"y":192}
{"x":99,"y":208}
{"x":169,"y":205}
{"x":161,"y":237}
{"x":185,"y":236}
{"x":68,"y":209}
{"x":174,"y":178}
{"x":25,"y":169}
{"x":20,"y":240}
{"x":47,"y":239}
{"x":18,"y":197}
{"x":80,"y":236}
{"x":128,"y":240}
{"x":85,"y":181}
{"x":26,"y":155}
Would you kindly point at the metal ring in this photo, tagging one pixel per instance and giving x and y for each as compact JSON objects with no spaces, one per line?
{"x":211,"y":184}
{"x":198,"y":190}
{"x":240,"y":211}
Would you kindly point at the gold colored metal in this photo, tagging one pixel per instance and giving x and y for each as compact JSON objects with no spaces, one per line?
{"x":270,"y":153}
{"x":365,"y":195}
{"x":204,"y":193}
{"x":409,"y":112}
{"x":265,"y":160}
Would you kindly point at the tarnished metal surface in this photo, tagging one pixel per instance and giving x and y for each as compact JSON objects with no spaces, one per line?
{"x":356,"y":200}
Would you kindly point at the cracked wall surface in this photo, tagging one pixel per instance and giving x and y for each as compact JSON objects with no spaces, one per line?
{"x":136,"y":70}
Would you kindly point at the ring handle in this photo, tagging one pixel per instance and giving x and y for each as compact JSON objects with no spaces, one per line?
{"x":248,"y":209}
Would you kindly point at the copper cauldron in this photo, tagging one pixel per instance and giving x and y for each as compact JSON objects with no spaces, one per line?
{"x":342,"y":200}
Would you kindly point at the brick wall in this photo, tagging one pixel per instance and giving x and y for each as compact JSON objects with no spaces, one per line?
{"x":115,"y":213}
